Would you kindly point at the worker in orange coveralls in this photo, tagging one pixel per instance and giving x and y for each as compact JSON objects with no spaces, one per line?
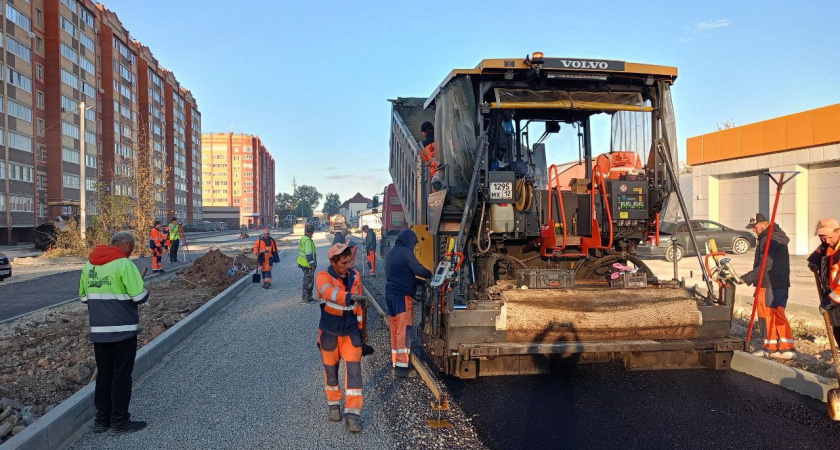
{"x":157,"y":242}
{"x":266,"y":250}
{"x":340,"y":334}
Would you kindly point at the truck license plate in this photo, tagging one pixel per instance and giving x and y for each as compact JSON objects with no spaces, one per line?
{"x":5,"y":272}
{"x":501,"y":191}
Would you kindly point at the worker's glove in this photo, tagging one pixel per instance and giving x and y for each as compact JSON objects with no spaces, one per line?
{"x":360,"y":299}
{"x":750,"y":279}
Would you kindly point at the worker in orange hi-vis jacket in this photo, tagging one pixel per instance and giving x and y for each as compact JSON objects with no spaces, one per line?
{"x":157,"y":242}
{"x":266,"y":250}
{"x":340,"y":334}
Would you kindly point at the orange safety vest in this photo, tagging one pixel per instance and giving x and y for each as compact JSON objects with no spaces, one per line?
{"x":157,"y":238}
{"x":832,"y":258}
{"x":261,"y":247}
{"x":335,"y":298}
{"x":428,"y":155}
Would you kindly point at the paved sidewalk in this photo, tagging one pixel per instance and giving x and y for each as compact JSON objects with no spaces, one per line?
{"x":252,"y":377}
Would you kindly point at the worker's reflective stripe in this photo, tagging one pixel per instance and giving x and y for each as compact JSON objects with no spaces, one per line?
{"x":140,"y":296}
{"x":400,"y":350}
{"x":115,"y":329}
{"x":334,"y":305}
{"x":83,"y":299}
{"x":334,"y":295}
{"x":787,"y":341}
{"x":355,"y":411}
{"x":834,"y":297}
{"x":324,"y":289}
{"x":402,"y":364}
{"x":333,"y":403}
{"x":359,"y":317}
{"x":108,"y":296}
{"x":331,"y":388}
{"x":353,"y":392}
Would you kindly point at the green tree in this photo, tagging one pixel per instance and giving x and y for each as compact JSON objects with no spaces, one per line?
{"x":307,"y":198}
{"x":285,"y":205}
{"x":332,"y":204}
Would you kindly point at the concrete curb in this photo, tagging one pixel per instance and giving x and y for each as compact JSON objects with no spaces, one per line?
{"x":57,"y":426}
{"x":797,"y":380}
{"x":44,"y":261}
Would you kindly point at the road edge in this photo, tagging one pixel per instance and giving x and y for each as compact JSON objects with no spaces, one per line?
{"x":791,"y":378}
{"x":58,"y":426}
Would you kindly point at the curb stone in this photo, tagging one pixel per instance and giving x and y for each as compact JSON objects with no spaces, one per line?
{"x":58,"y":426}
{"x":797,"y":380}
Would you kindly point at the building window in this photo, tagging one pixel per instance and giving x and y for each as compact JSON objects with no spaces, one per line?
{"x":87,"y":42}
{"x":71,"y":181}
{"x":70,"y":130}
{"x":18,"y":49}
{"x":39,"y":73}
{"x":39,"y":17}
{"x":70,"y":155}
{"x":15,"y":16}
{"x":39,"y":44}
{"x":20,"y":141}
{"x":20,"y":80}
{"x":69,"y":79}
{"x":41,"y":127}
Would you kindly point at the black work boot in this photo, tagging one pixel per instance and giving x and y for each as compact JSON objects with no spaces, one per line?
{"x":100,"y":426}
{"x":405,"y":372}
{"x":351,"y":422}
{"x":335,"y":414}
{"x":129,"y":426}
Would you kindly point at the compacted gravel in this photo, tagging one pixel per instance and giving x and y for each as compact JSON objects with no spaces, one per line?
{"x":252,"y":377}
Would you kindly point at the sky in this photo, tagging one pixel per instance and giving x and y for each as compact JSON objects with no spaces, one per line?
{"x":312,"y":78}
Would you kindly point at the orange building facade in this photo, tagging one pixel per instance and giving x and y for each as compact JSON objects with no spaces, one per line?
{"x":238,"y":171}
{"x":729,"y":169}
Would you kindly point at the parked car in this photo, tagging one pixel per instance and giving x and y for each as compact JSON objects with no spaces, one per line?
{"x":5,"y":267}
{"x":726,"y":238}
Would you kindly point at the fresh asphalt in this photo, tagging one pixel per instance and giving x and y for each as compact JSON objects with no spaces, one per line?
{"x":596,"y":406}
{"x":24,"y":297}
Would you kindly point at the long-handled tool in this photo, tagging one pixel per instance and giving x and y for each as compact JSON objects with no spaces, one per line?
{"x":833,"y":396}
{"x":779,"y":184}
{"x":186,"y":246}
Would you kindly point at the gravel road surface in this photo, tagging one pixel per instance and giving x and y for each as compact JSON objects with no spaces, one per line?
{"x":252,"y":377}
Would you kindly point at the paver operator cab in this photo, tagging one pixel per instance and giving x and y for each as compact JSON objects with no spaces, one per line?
{"x":530,"y":270}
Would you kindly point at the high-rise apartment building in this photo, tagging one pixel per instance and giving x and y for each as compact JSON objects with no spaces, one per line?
{"x":238,"y":171}
{"x":58,"y":54}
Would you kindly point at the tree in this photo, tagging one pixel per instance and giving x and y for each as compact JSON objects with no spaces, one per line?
{"x":332,"y":204}
{"x":307,"y":198}
{"x":729,"y":123}
{"x":285,"y":205}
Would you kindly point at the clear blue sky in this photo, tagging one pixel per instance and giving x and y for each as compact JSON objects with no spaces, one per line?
{"x":312,"y":77}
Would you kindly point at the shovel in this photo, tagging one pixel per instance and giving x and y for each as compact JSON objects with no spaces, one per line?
{"x":833,"y":396}
{"x":232,"y":271}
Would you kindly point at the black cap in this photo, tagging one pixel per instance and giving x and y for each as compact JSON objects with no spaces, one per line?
{"x":757,"y":219}
{"x":426,"y":127}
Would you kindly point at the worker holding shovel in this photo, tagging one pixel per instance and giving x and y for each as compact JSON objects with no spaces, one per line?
{"x":825,"y":263}
{"x":266,"y":250}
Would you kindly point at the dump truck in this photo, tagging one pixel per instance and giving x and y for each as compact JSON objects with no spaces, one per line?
{"x":393,"y":219}
{"x":337,"y":223}
{"x":527,"y":272}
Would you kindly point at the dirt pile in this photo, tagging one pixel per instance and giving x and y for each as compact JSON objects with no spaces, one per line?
{"x":42,"y":363}
{"x":211,"y":270}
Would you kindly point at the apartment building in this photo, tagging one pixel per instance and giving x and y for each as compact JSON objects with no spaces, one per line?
{"x":58,"y":55}
{"x":238,"y":171}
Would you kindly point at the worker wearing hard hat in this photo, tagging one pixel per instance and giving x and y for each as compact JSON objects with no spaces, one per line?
{"x":773,"y":292}
{"x":266,"y":250}
{"x":401,"y":270}
{"x":340,"y":336}
{"x":308,"y":262}
{"x":825,"y":262}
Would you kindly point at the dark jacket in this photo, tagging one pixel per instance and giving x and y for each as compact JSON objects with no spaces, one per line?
{"x":777,"y":270}
{"x":339,"y":238}
{"x":370,"y":241}
{"x":401,"y":266}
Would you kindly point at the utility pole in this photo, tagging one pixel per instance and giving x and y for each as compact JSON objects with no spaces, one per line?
{"x":82,"y":178}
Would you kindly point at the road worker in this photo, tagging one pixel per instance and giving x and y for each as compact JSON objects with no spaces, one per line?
{"x":341,"y":237}
{"x":174,"y":231}
{"x":112,"y":287}
{"x":157,"y":242}
{"x":308,"y":262}
{"x":266,"y":250}
{"x":340,"y":334}
{"x":825,"y":262}
{"x":773,"y":292}
{"x":370,"y":249}
{"x":428,"y":150}
{"x":401,"y":271}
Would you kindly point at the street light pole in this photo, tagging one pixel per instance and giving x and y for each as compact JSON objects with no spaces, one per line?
{"x":82,"y":178}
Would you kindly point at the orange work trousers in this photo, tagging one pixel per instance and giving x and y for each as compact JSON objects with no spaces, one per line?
{"x":157,"y":258}
{"x":371,"y":259}
{"x":772,"y":321}
{"x":265,"y":266}
{"x":333,"y":350}
{"x":401,"y":326}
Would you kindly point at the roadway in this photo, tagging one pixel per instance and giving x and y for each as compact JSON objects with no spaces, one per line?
{"x":49,"y":284}
{"x":604,"y":406}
